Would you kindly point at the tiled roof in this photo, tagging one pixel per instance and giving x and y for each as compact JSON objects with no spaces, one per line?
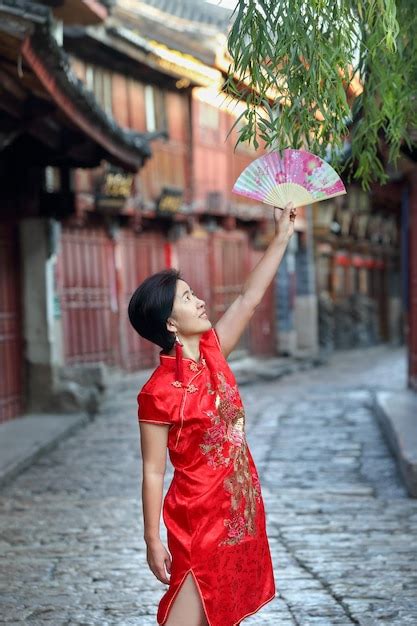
{"x":190,"y":26}
{"x":194,"y":11}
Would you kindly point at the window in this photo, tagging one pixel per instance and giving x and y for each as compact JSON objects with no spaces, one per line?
{"x":155,"y":108}
{"x":99,"y":81}
{"x":209,"y":116}
{"x":52,"y":179}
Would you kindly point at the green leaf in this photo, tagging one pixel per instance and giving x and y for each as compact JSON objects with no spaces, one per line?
{"x":304,"y":50}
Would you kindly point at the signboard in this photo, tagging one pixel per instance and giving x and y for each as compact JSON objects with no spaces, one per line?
{"x":113,"y":187}
{"x":118,"y":184}
{"x":170,"y":201}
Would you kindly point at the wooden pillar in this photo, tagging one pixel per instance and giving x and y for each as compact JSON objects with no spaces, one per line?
{"x":412,"y":283}
{"x":306,"y":306}
{"x":39,"y":239}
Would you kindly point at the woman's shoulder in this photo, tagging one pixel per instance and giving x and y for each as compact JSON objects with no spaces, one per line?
{"x":210,"y":339}
{"x":155,"y":385}
{"x":153,"y":403}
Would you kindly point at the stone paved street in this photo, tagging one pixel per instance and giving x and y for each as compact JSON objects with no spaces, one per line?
{"x":342,"y":530}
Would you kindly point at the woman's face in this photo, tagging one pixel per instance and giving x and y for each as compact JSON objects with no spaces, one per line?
{"x":188,"y":312}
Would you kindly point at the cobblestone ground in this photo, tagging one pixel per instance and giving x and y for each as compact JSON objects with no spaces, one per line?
{"x":343,"y":532}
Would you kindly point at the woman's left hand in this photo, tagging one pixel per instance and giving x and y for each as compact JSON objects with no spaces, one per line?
{"x":284,"y":220}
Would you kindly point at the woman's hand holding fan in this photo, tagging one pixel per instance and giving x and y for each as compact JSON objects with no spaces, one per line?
{"x":284,"y":221}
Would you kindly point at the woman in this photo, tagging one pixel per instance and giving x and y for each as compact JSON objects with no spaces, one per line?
{"x":219,"y":568}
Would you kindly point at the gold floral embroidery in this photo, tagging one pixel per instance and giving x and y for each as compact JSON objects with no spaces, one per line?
{"x":196,"y":366}
{"x":228,"y":425}
{"x":241,"y":486}
{"x":190,"y":388}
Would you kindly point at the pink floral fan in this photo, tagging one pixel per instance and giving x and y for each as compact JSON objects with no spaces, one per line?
{"x":298,"y":176}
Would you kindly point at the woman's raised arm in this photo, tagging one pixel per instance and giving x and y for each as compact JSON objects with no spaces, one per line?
{"x":235,"y":319}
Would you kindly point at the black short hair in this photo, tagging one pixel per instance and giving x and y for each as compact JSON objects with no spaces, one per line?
{"x":150,"y":306}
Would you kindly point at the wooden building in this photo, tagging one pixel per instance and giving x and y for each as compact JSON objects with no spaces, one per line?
{"x":49,"y":125}
{"x":357,"y":268}
{"x":403,"y":192}
{"x":178,"y":209}
{"x":89,"y":209}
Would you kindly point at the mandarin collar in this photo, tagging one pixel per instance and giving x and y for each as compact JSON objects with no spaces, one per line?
{"x":170,"y":361}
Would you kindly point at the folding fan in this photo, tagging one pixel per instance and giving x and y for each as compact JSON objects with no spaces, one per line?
{"x":298,"y":176}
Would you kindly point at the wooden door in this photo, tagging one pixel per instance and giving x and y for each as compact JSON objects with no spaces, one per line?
{"x":193,"y":260}
{"x":230,"y":266}
{"x":262,"y":325}
{"x":11,"y":343}
{"x":87,"y":286}
{"x":140,"y":256}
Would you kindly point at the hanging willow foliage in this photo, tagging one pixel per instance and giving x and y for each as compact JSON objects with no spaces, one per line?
{"x":292,"y":62}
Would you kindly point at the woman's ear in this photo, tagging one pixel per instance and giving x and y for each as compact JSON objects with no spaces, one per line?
{"x":171,"y":325}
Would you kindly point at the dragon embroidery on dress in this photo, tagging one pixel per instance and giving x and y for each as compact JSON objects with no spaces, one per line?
{"x":228,"y":425}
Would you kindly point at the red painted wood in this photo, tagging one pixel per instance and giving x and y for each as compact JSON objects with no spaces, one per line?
{"x":216,"y":162}
{"x":230,"y":265}
{"x":88,"y":294}
{"x":166,"y":168}
{"x":11,"y":343}
{"x":120,"y":99}
{"x":169,"y":166}
{"x":192,"y":256}
{"x":136,"y":101}
{"x":177,"y":116}
{"x":211,"y":154}
{"x":140,"y":256}
{"x":262,"y":325}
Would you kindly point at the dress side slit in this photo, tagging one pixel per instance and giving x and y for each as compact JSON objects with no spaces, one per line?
{"x":180,"y":586}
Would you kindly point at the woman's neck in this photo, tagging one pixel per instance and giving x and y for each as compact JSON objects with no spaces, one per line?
{"x":190,"y":348}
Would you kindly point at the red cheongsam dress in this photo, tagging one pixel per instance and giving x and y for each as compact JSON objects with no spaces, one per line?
{"x":213,"y":509}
